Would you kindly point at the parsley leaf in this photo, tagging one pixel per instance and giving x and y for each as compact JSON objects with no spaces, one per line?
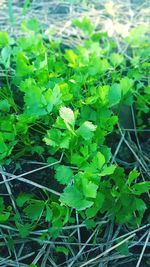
{"x":86,"y":130}
{"x":67,"y":115}
{"x":35,"y":209}
{"x":74,"y":198}
{"x":63,"y":174}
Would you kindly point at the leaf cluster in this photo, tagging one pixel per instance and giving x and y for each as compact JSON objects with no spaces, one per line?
{"x":54,"y":102}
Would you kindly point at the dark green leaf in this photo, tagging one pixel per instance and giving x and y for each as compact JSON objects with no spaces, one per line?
{"x":24,"y":229}
{"x":23,"y":198}
{"x":35,"y":209}
{"x":49,"y":214}
{"x":62,"y":249}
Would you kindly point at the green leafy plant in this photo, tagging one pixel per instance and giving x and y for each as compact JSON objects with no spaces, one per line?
{"x":55,"y":103}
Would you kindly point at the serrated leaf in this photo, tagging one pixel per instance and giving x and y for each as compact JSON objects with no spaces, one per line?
{"x":114,"y":95}
{"x":63,"y":174}
{"x":103,"y":94}
{"x":132,"y":176}
{"x":23,"y":66}
{"x":57,"y":139}
{"x":67,"y":115}
{"x":53,"y":137}
{"x":37,"y":149}
{"x":49,"y":214}
{"x":98,"y":203}
{"x":126,"y":85}
{"x":53,"y":98}
{"x":22,"y":199}
{"x":24,"y":229}
{"x":34,"y":106}
{"x":98,"y":161}
{"x":65,"y":141}
{"x":77,"y":159}
{"x":71,"y":57}
{"x":108,"y":170}
{"x":106,"y":151}
{"x":141,"y":188}
{"x":89,"y":188}
{"x":72,"y":197}
{"x":86,"y":130}
{"x":35,"y":209}
{"x":85,"y":25}
{"x":62,"y":249}
{"x":116,"y":59}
